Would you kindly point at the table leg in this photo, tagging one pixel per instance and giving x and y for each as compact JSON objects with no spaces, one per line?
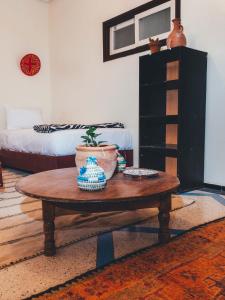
{"x":1,"y":179}
{"x":164,"y":219}
{"x":48,"y":211}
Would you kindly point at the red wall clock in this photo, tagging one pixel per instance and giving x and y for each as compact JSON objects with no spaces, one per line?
{"x":30,"y":64}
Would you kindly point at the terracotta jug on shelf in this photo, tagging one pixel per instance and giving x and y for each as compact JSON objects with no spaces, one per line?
{"x":176,"y":38}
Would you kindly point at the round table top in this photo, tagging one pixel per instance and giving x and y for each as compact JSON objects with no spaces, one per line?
{"x":60,"y":186}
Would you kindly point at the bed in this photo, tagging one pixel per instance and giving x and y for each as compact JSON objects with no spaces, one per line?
{"x":34,"y":152}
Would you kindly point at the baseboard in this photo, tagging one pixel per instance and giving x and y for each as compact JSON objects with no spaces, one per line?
{"x":215,"y":187}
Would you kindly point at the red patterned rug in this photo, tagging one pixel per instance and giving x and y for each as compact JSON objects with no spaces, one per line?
{"x":192,"y":266}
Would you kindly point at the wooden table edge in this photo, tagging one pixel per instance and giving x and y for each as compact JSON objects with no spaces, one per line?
{"x":97,"y":201}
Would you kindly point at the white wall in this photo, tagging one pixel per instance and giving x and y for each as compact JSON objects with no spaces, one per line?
{"x":204,"y":22}
{"x":23,"y":29}
{"x":85,"y":89}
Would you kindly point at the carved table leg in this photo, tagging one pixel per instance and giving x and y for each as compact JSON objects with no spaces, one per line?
{"x":164,"y":219}
{"x":48,"y":211}
{"x":1,"y":180}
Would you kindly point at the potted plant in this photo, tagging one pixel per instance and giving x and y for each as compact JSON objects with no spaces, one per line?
{"x":154,"y":45}
{"x":106,"y":155}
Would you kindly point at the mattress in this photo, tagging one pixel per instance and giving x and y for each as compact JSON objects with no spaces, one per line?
{"x":58,"y":143}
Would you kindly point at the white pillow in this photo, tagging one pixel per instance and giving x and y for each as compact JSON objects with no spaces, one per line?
{"x":19,"y":118}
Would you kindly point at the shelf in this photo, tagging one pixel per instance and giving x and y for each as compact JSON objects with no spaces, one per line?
{"x":172,"y":84}
{"x":172,"y":70}
{"x":169,"y":96}
{"x":171,"y":166}
{"x":172,"y":119}
{"x":167,"y":146}
{"x":171,"y":134}
{"x":168,"y":150}
{"x":167,"y":85}
{"x":172,"y":106}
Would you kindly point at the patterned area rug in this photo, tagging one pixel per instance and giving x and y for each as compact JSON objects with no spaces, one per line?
{"x":85,"y":242}
{"x":21,"y":223}
{"x":190,"y":267}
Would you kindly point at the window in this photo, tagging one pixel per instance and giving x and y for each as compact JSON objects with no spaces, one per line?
{"x":129,"y":33}
{"x":122,"y":36}
{"x":154,"y":23}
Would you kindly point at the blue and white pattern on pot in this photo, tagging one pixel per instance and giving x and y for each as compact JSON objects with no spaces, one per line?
{"x":92,"y":176}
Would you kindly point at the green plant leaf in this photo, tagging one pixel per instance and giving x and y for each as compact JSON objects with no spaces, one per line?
{"x":101,"y":142}
{"x":90,"y":138}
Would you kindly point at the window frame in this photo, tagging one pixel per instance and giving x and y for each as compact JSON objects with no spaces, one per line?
{"x":113,"y":29}
{"x":134,"y":14}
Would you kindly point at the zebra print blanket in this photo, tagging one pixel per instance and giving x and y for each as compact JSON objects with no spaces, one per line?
{"x":56,"y":127}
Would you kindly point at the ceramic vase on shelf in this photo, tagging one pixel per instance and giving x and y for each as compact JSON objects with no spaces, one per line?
{"x":176,"y":38}
{"x":154,"y":45}
{"x":92,"y":177}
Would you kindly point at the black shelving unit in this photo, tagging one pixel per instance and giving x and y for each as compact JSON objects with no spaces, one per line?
{"x":172,"y":114}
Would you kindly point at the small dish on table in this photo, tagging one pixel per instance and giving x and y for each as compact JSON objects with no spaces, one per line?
{"x":140,"y":172}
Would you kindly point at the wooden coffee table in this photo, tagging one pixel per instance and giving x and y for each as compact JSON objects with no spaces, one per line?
{"x":58,"y":188}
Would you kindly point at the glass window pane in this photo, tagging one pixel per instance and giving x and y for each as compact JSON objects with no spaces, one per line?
{"x":154,"y":24}
{"x":124,"y":37}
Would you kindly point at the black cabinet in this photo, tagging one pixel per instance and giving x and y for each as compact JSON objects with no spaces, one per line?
{"x":172,"y":113}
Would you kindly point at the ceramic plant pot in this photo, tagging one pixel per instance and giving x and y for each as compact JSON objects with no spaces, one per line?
{"x":106,"y":156}
{"x":176,"y":38}
{"x":154,"y":45}
{"x":91,"y":177}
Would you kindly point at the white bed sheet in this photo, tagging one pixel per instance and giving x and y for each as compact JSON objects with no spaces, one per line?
{"x":58,"y":143}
